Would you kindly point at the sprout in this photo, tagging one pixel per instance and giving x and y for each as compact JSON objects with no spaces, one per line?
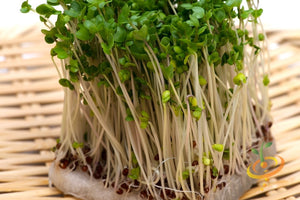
{"x":148,"y":82}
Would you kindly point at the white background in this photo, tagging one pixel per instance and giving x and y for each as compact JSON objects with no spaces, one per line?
{"x":278,"y":14}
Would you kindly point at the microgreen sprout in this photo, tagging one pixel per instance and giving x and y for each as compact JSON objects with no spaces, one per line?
{"x":158,"y":85}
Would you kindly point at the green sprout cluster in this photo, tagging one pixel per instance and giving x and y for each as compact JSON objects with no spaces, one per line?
{"x":158,"y":84}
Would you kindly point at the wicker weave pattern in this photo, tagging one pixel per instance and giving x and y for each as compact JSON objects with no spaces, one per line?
{"x":31,"y":106}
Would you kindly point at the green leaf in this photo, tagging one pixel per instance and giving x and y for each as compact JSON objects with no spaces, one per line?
{"x":197,"y":113}
{"x":25,"y":7}
{"x":91,"y":26}
{"x":124,"y":75}
{"x":261,"y":37}
{"x":193,"y":21}
{"x":202,"y":80}
{"x":129,"y":118}
{"x":218,"y":147}
{"x":73,"y":66}
{"x":226,"y":154}
{"x":245,"y":14}
{"x":165,"y":42}
{"x":214,"y":58}
{"x":134,"y":160}
{"x":267,"y":144}
{"x":120,"y":35}
{"x":53,"y":2}
{"x":233,"y":3}
{"x":193,"y":101}
{"x":239,"y":79}
{"x":198,"y":12}
{"x":123,"y":17}
{"x":206,"y":161}
{"x":254,"y":151}
{"x":83,"y":33}
{"x":187,"y":6}
{"x":215,"y":172}
{"x":134,"y":173}
{"x":185,"y":174}
{"x":168,"y":72}
{"x":266,"y":80}
{"x":75,"y":9}
{"x":166,"y":95}
{"x":141,"y":34}
{"x":219,"y":14}
{"x":77,"y":145}
{"x":66,"y":83}
{"x":257,"y":13}
{"x":61,"y":52}
{"x":47,"y":10}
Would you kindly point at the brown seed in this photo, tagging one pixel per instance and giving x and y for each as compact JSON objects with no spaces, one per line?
{"x":150,"y":197}
{"x":104,"y":183}
{"x":257,"y":134}
{"x":89,"y":159}
{"x":125,"y":171}
{"x":195,"y":163}
{"x":194,"y":144}
{"x":119,"y":191}
{"x":97,"y":175}
{"x":124,"y":186}
{"x":246,"y":163}
{"x":226,"y":169}
{"x":99,"y":168}
{"x":143,"y":194}
{"x":86,"y":149}
{"x":104,"y":155}
{"x":58,"y":145}
{"x":172,"y":195}
{"x":206,"y":189}
{"x":84,"y":168}
{"x":64,"y":163}
{"x":224,"y":184}
{"x":112,"y":184}
{"x":156,"y":157}
{"x":136,"y":183}
{"x":184,"y":198}
{"x":220,"y":185}
{"x":270,"y":124}
{"x":73,"y":157}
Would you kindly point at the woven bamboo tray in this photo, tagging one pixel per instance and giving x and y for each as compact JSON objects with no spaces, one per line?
{"x":31,"y":106}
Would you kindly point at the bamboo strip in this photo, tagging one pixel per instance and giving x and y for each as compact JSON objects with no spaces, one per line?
{"x":25,"y":172}
{"x":286,"y":125}
{"x":37,"y":74}
{"x":34,"y":87}
{"x":284,"y":194}
{"x":283,"y":63}
{"x":288,"y":111}
{"x":42,"y":97}
{"x":292,"y":135}
{"x":284,"y":49}
{"x":28,"y":159}
{"x":31,"y":193}
{"x":22,"y":49}
{"x":286,"y":74}
{"x":287,"y":181}
{"x":288,"y":99}
{"x":41,"y":110}
{"x":12,"y":135}
{"x":19,"y":124}
{"x":289,"y":85}
{"x":21,"y":63}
